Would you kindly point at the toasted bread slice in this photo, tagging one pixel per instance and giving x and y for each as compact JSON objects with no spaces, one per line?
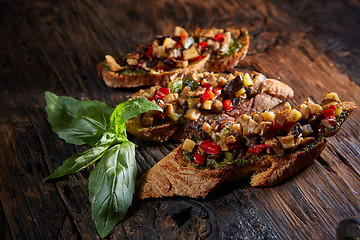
{"x":174,"y":176}
{"x":204,"y":50}
{"x":282,"y":168}
{"x":220,"y":63}
{"x":270,"y":94}
{"x":290,"y":142}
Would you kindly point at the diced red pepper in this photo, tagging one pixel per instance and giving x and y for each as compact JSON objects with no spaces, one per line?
{"x":198,"y":159}
{"x":150,"y":98}
{"x":228,"y":105}
{"x":332,"y":106}
{"x":159,"y":95}
{"x":183,"y":35}
{"x":149,"y":52}
{"x":165,"y":90}
{"x":219,"y":37}
{"x":209,"y":147}
{"x":217,"y":90}
{"x":258,"y":148}
{"x":208,"y":95}
{"x":160,"y":69}
{"x":196,"y":58}
{"x":329,"y":114}
{"x":162,"y":92}
{"x":202,"y":45}
{"x":207,"y":85}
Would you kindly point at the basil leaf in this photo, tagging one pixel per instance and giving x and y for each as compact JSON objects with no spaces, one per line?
{"x":111,"y":186}
{"x":129,"y":109}
{"x":77,"y":122}
{"x":78,"y":162}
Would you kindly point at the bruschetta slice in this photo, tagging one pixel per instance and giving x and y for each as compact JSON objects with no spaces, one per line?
{"x":190,"y":100}
{"x":266,"y":146}
{"x":204,"y":50}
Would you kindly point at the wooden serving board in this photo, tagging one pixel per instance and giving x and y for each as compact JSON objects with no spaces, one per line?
{"x":310,"y":45}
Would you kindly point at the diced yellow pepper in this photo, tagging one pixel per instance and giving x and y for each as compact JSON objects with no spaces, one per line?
{"x":338,"y":111}
{"x":241,"y":93}
{"x":294,"y":116}
{"x":332,"y":96}
{"x":268,"y":116}
{"x":247,"y":80}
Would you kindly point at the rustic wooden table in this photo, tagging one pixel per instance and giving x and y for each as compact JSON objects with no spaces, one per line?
{"x":311,"y":45}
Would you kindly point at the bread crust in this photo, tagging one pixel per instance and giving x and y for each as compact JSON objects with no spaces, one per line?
{"x":283,"y":168}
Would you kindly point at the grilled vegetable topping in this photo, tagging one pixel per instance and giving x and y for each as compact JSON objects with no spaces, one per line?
{"x":178,"y":51}
{"x":260,"y":135}
{"x":187,"y":96}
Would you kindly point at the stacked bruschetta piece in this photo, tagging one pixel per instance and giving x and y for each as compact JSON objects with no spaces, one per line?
{"x":225,"y":121}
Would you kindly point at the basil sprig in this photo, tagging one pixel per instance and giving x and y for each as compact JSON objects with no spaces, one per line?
{"x":112,"y":182}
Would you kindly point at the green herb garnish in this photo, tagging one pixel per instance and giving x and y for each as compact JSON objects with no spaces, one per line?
{"x":112,"y":182}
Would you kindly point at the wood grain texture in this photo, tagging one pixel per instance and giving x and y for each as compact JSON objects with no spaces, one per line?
{"x":310,"y":45}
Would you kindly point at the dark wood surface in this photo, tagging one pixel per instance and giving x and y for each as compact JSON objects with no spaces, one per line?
{"x":311,"y":45}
